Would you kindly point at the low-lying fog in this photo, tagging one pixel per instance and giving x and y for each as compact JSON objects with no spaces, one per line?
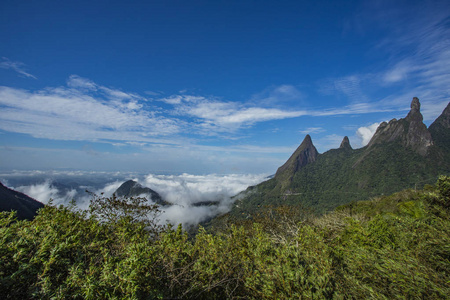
{"x":185,"y":192}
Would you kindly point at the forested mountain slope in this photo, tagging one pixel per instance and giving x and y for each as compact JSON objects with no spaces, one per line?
{"x":402,"y":154}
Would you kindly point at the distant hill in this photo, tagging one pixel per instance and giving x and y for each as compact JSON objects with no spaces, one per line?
{"x":25,"y":206}
{"x":402,"y":154}
{"x":132,"y":188}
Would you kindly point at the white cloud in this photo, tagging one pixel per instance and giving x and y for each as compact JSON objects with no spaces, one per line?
{"x":399,"y":72}
{"x":44,"y":192}
{"x":74,"y":113}
{"x":84,"y":110}
{"x":186,"y":190}
{"x":183,"y":191}
{"x":311,"y":130}
{"x":276,"y":95}
{"x":226,"y":116}
{"x":420,"y":55}
{"x":417,"y":59}
{"x":433,"y":109}
{"x":76,"y":81}
{"x":15,"y":66}
{"x":367,"y":132}
{"x":351,"y":87}
{"x":353,"y":109}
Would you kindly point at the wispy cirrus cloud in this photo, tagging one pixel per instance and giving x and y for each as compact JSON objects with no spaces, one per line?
{"x":16,"y":66}
{"x":420,"y":52}
{"x":226,"y":116}
{"x":351,"y":87}
{"x":311,"y":130}
{"x":215,"y":116}
{"x":417,"y":60}
{"x":81,"y":111}
{"x":85,"y":110}
{"x":277,"y":95}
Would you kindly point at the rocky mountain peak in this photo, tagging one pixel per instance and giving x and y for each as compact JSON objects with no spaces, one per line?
{"x":410,"y":131}
{"x":305,"y":154}
{"x":415,"y":105}
{"x":415,"y":114}
{"x":345,"y":144}
{"x":132,"y":188}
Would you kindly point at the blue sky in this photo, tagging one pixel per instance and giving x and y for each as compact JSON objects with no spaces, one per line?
{"x":210,"y":86}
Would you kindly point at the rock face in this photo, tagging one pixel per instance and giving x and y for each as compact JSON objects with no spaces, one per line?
{"x":443,"y":120}
{"x":132,"y":188}
{"x":410,"y":131}
{"x":305,"y":154}
{"x":25,"y":206}
{"x":345,"y":144}
{"x":402,"y":154}
{"x":439,"y":129}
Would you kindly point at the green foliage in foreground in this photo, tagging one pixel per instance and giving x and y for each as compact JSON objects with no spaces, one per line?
{"x":395,"y":247}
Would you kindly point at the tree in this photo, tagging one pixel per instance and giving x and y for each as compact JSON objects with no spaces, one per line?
{"x":130,"y":211}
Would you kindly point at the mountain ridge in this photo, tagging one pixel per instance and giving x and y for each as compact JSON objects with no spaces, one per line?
{"x":402,"y":154}
{"x":305,"y":154}
{"x":25,"y":206}
{"x":131,"y":188}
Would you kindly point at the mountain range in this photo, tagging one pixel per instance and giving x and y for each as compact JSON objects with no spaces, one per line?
{"x":402,"y":154}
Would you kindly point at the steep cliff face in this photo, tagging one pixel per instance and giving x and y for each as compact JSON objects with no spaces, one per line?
{"x":410,"y":131}
{"x":305,"y":154}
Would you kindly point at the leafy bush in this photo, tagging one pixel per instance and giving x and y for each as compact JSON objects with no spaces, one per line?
{"x":392,"y":247}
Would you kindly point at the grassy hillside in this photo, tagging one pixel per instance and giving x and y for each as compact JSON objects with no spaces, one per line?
{"x":391,"y":247}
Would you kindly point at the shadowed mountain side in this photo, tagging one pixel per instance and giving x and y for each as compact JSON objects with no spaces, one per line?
{"x":439,"y":130}
{"x":305,"y":154}
{"x":402,"y":154}
{"x":132,"y":188}
{"x":25,"y":206}
{"x":345,"y":144}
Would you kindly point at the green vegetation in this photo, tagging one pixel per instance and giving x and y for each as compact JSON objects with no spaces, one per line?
{"x":340,"y":176}
{"x":401,"y":154}
{"x":391,"y":247}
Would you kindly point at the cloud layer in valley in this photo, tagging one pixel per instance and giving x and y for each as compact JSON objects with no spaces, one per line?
{"x":193,"y":198}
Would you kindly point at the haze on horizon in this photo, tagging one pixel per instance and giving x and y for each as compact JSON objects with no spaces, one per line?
{"x":210,"y":87}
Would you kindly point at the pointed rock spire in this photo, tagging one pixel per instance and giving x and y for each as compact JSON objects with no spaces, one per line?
{"x":418,"y":136}
{"x":410,"y":131}
{"x":345,"y":144}
{"x":305,"y":154}
{"x":414,"y":113}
